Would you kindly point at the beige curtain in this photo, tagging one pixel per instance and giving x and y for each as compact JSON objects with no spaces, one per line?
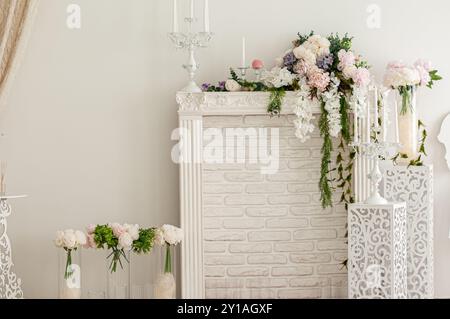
{"x":14,"y":19}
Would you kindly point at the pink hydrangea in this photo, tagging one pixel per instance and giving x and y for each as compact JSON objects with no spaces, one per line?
{"x":361,"y":77}
{"x":319,"y":80}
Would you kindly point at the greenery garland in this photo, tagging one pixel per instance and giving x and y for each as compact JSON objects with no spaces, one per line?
{"x":327,"y":148}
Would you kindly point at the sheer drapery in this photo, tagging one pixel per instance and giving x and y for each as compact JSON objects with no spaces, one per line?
{"x":15,"y":16}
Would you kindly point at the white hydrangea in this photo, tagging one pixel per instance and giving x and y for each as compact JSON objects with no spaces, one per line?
{"x":277,"y":77}
{"x":333,"y":106}
{"x":304,"y":112}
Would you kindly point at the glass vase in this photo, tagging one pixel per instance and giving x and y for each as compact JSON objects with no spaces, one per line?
{"x":165,"y":285}
{"x":118,"y":275}
{"x":69,"y":273}
{"x":407,"y":122}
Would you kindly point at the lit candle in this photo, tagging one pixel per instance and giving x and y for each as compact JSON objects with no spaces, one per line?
{"x":206,"y":15}
{"x":243,"y":52}
{"x":192,"y":9}
{"x":175,"y":16}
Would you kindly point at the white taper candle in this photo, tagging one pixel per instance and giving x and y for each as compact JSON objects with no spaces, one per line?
{"x":368,"y":128}
{"x":243,"y":53}
{"x":375,"y":102}
{"x":192,"y":10}
{"x":175,"y":16}
{"x":206,"y":16}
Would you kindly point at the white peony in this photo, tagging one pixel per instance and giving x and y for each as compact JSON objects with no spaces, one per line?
{"x":59,"y":239}
{"x":133,"y":230}
{"x":80,"y":237}
{"x":70,"y":240}
{"x":232,"y":86}
{"x":159,"y":237}
{"x":302,"y":53}
{"x":401,"y":76}
{"x":318,"y":45}
{"x":172,"y":235}
{"x":125,"y":241}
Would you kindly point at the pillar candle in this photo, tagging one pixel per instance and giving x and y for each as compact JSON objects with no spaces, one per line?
{"x":206,"y":15}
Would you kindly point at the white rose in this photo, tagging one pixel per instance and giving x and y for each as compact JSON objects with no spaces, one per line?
{"x":125,"y":241}
{"x":70,"y":240}
{"x":302,"y":53}
{"x":133,"y":230}
{"x":232,"y":86}
{"x":59,"y":238}
{"x":81,"y":238}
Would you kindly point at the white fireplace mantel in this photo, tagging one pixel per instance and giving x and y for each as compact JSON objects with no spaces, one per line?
{"x":192,"y":108}
{"x":232,"y":103}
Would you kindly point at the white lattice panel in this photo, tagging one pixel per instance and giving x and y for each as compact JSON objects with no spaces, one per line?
{"x":377,"y":251}
{"x":414,"y":185}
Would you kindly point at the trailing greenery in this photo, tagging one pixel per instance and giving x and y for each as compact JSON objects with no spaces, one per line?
{"x":275,"y":101}
{"x":327,"y":148}
{"x":248,"y":85}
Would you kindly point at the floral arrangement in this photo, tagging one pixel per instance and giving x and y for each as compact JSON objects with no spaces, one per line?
{"x":325,"y":72}
{"x":405,"y":78}
{"x":120,"y":239}
{"x":70,"y":240}
{"x":168,"y":236}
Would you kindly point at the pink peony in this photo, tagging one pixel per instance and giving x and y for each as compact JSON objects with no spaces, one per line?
{"x":424,"y":75}
{"x":90,"y":228}
{"x":90,"y":242}
{"x":257,"y":64}
{"x":346,"y":59}
{"x":319,"y":80}
{"x":396,"y":65}
{"x":361,"y":77}
{"x":118,"y":229}
{"x":426,"y":65}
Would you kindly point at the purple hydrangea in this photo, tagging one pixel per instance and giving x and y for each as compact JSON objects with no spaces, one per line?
{"x":325,"y":61}
{"x":289,"y":60}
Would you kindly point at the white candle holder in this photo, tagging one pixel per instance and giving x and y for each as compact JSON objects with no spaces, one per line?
{"x":373,"y":151}
{"x":243,"y":70}
{"x":191,"y":41}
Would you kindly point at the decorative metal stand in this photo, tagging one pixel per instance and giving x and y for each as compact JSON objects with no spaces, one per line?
{"x":191,"y":41}
{"x":377,"y":251}
{"x":10,"y":285}
{"x":414,"y":185}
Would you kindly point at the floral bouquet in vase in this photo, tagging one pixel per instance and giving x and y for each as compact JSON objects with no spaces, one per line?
{"x":70,"y":262}
{"x":404,"y":80}
{"x":167,"y":237}
{"x":120,"y":239}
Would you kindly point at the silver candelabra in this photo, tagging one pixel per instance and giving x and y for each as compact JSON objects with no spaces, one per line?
{"x":374,"y":150}
{"x":191,"y":41}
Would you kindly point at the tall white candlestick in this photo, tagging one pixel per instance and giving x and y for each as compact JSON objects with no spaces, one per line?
{"x":192,"y":9}
{"x":206,"y":15}
{"x":396,"y":136}
{"x":355,"y":124}
{"x":384,"y":120}
{"x":375,"y":102}
{"x":368,"y":128}
{"x":175,"y":16}
{"x":243,"y":53}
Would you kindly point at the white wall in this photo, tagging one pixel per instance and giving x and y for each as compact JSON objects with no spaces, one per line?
{"x":87,"y":127}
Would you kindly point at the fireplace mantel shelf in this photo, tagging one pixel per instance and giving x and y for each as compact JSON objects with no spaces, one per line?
{"x":232,"y":103}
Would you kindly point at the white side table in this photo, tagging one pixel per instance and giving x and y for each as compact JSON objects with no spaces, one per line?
{"x":414,"y":185}
{"x":10,"y":284}
{"x":377,"y":251}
